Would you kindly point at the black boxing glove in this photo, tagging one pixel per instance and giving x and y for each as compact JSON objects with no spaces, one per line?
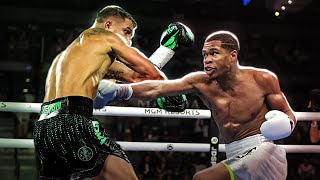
{"x":186,"y":37}
{"x":173,"y":103}
{"x":177,"y":35}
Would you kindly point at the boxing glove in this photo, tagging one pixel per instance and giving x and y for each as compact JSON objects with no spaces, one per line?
{"x":109,"y":91}
{"x":175,"y":36}
{"x":278,"y":125}
{"x":173,"y":103}
{"x":186,"y":37}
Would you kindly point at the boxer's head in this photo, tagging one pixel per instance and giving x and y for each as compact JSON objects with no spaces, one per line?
{"x":117,"y":20}
{"x":220,"y":53}
{"x":228,"y":40}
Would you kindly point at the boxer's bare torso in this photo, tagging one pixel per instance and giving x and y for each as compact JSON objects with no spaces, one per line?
{"x":78,"y":69}
{"x":238,"y":109}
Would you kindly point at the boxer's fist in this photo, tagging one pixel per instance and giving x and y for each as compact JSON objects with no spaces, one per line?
{"x":173,"y":103}
{"x":109,"y":91}
{"x":186,"y":37}
{"x":278,"y":125}
{"x":177,"y":35}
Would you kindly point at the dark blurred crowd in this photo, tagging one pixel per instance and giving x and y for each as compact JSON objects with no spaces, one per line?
{"x":27,"y":51}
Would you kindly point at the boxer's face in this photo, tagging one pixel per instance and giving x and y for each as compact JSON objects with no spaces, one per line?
{"x":122,"y":27}
{"x":216,"y":60}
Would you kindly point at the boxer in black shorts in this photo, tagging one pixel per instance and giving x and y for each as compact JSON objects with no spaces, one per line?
{"x":70,"y":142}
{"x":65,"y":141}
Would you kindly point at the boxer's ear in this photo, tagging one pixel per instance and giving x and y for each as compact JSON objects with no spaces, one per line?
{"x":107,"y":24}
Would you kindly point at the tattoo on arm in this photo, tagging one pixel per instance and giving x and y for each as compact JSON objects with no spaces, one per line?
{"x":114,"y":74}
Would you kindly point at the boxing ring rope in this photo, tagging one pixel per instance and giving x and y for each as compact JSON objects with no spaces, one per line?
{"x":149,"y":112}
{"x":162,"y":146}
{"x":139,"y":112}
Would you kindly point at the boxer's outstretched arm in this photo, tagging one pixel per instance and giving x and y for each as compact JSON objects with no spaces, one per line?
{"x":152,"y":89}
{"x":149,"y":89}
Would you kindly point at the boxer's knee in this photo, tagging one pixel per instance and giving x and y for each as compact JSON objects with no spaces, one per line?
{"x":217,"y":172}
{"x":117,"y":168}
{"x":197,"y":176}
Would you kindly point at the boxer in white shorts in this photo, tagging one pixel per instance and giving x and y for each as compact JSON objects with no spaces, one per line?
{"x":255,"y":157}
{"x":245,"y":102}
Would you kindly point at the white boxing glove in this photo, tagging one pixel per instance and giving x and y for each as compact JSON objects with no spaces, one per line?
{"x":109,"y":91}
{"x":278,"y":125}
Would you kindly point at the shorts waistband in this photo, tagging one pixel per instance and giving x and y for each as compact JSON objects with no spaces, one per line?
{"x":67,"y":105}
{"x":247,"y":142}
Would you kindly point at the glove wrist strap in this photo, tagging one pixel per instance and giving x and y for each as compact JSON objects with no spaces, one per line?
{"x":292,"y":124}
{"x":161,"y":56}
{"x":124,"y":92}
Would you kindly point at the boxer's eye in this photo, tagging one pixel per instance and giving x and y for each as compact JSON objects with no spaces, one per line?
{"x":213,"y":53}
{"x":127,"y":32}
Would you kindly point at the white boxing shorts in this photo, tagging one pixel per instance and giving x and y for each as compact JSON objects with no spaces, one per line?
{"x":255,"y":158}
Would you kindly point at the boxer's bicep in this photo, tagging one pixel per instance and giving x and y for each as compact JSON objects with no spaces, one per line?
{"x":133,"y":58}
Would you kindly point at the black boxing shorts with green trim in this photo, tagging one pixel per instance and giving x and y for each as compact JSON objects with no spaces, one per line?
{"x":69,"y":142}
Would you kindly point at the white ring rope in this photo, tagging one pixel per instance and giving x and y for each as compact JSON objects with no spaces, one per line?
{"x":162,"y":146}
{"x":139,"y":112}
{"x":149,"y":112}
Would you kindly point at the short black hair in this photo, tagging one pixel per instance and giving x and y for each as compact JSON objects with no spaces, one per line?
{"x":114,"y":11}
{"x":228,"y":39}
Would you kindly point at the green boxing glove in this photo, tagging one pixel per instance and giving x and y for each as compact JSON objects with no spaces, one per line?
{"x":175,"y":36}
{"x":173,"y":103}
